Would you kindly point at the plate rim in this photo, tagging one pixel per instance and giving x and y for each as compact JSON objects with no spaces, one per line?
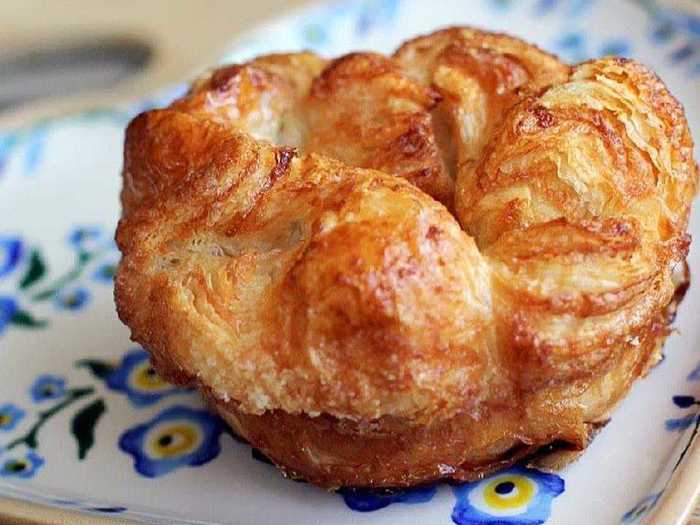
{"x":682,"y":494}
{"x":23,"y":512}
{"x":674,"y":507}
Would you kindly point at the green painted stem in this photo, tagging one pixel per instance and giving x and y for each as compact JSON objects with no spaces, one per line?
{"x":83,"y":260}
{"x":29,"y":438}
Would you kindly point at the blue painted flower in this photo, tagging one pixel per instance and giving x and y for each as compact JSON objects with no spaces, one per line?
{"x":10,"y":416}
{"x":663,"y":31}
{"x":363,"y":500}
{"x":684,"y":52}
{"x":8,"y":309}
{"x":21,"y":467}
{"x":678,"y":23}
{"x":35,"y":143}
{"x":518,"y":496}
{"x":542,"y":7}
{"x":11,"y":249}
{"x":105,"y":272}
{"x":683,"y":20}
{"x":571,"y":41}
{"x":136,"y":378}
{"x":177,"y":437}
{"x":679,"y":424}
{"x":72,"y":299}
{"x":642,"y":508}
{"x":572,"y":7}
{"x":87,"y":239}
{"x":572,"y":46}
{"x":47,"y":387}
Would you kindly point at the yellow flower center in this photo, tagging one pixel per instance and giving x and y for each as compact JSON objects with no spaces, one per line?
{"x":509,"y":492}
{"x":15,"y":466}
{"x":145,"y":378}
{"x":174,"y":440}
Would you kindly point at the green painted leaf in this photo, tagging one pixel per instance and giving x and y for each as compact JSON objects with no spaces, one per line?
{"x":30,"y":439}
{"x":100,"y":369}
{"x":36,"y":270}
{"x":84,"y":258}
{"x":24,"y":319}
{"x":83,"y":426}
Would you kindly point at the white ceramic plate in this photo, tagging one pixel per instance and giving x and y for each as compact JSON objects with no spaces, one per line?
{"x":81,"y":418}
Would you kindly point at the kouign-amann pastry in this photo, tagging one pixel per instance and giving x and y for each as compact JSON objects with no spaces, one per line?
{"x":388,"y":270}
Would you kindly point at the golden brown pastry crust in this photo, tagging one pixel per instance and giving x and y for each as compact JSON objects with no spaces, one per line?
{"x":288,"y":246}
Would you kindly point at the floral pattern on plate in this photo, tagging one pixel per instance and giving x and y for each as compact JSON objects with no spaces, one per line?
{"x":24,"y":272}
{"x":177,"y":437}
{"x":155,"y":430}
{"x":136,"y":378}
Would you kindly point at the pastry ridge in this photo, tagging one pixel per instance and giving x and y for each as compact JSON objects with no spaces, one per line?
{"x":384,"y":271}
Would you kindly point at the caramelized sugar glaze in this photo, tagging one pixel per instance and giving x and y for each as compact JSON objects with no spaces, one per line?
{"x":384,"y":271}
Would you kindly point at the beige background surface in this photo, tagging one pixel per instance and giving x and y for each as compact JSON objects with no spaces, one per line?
{"x":186,"y":35}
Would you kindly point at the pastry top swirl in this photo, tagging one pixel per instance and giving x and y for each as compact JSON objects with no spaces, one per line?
{"x":411,"y":236}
